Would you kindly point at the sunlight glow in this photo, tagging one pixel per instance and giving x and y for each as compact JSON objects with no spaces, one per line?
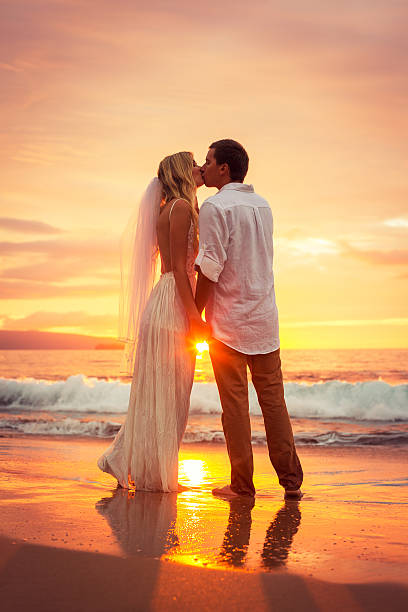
{"x":192,"y":471}
{"x":201,"y":347}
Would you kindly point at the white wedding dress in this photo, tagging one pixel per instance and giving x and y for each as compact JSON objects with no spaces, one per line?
{"x":144,"y":454}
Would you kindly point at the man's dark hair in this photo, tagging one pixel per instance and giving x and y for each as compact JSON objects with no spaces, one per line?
{"x":232,"y":153}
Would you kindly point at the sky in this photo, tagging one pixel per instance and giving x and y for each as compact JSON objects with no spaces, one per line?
{"x":95,"y":93}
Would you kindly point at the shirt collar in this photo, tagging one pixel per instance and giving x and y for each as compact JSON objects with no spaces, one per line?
{"x":238,"y":187}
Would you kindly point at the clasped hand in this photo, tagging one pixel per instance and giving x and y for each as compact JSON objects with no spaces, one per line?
{"x":199,"y":330}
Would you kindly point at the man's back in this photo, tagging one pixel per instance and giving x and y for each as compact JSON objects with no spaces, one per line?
{"x":236,"y":252}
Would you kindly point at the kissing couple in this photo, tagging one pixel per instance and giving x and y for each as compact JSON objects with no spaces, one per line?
{"x":160,"y":322}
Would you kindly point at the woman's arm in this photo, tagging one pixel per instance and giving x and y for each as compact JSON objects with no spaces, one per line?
{"x":180,"y":220}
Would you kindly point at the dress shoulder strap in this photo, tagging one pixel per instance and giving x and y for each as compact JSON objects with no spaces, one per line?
{"x":172,"y":206}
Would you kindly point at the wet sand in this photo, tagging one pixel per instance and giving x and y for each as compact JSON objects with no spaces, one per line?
{"x":71,"y":541}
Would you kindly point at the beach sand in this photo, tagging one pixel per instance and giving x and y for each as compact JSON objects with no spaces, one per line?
{"x":71,"y":541}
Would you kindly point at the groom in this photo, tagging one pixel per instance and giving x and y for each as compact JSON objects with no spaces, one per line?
{"x":236,"y":287}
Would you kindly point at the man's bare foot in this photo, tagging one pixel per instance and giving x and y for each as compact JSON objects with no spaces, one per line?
{"x":293,"y":495}
{"x":225,"y":492}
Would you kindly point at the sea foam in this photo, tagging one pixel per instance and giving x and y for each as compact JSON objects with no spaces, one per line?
{"x":195,"y":433}
{"x":363,"y":401}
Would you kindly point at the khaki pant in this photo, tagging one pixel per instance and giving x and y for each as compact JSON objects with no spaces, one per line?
{"x":230,"y":370}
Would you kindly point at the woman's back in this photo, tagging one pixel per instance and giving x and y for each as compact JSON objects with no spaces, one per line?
{"x":181,"y":235}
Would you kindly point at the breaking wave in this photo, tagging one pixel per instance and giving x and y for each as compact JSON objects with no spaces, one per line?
{"x":361,"y":401}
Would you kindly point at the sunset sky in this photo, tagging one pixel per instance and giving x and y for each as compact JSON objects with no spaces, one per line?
{"x":96,"y":92}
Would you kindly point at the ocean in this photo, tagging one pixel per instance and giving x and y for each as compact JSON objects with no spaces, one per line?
{"x":334,"y":397}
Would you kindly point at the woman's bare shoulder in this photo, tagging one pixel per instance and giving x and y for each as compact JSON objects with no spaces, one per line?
{"x":181,"y":204}
{"x":181,"y":209}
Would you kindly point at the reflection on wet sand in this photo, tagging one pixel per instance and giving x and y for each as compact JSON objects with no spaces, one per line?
{"x":279,"y":536}
{"x":278,"y":540}
{"x":236,"y":539}
{"x":142,"y":522}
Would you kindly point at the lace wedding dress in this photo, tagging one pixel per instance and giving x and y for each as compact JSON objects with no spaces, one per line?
{"x":144,"y":454}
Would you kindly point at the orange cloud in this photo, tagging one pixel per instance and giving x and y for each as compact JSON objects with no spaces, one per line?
{"x":395,"y":257}
{"x":399,"y":222}
{"x":44,"y":321}
{"x":26,"y":290}
{"x":58,"y":271}
{"x":27,"y":226}
{"x":62,"y":248}
{"x":57,"y":261}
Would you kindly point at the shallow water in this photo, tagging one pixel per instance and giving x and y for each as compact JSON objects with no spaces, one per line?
{"x":349,"y":527}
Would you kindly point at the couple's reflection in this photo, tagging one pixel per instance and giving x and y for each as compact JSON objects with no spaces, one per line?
{"x":278,"y":540}
{"x":142,"y":522}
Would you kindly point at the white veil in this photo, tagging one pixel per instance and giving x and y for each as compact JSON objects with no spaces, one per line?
{"x":139,"y":268}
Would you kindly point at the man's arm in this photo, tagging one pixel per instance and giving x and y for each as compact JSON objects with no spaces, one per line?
{"x":211,"y":257}
{"x":203,"y":291}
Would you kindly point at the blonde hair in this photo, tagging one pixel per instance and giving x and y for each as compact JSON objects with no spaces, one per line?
{"x":176,"y":176}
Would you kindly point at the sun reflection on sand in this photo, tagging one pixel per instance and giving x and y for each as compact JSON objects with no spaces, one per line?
{"x":192,"y":472}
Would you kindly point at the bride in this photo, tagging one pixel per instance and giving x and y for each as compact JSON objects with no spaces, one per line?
{"x":158,"y":322}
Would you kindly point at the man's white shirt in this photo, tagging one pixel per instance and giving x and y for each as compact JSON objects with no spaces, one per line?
{"x":236,"y":253}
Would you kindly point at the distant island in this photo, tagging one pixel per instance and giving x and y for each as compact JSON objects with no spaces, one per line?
{"x":12,"y":340}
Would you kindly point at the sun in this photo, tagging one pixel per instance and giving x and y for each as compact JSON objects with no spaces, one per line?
{"x":201,"y":347}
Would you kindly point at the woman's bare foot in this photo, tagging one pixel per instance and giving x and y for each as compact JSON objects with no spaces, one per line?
{"x":181,"y":488}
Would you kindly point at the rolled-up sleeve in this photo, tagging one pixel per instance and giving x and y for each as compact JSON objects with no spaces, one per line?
{"x":213,"y":230}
